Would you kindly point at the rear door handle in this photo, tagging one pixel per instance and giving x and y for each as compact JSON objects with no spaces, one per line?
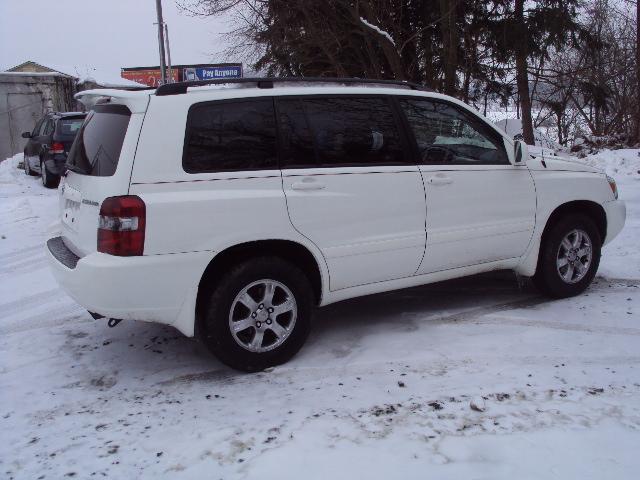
{"x":308,"y":184}
{"x":440,"y":180}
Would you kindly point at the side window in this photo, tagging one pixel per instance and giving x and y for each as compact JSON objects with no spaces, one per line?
{"x":296,"y":141}
{"x":36,"y":129}
{"x":47,"y":127}
{"x":340,"y":132}
{"x":228,"y":136}
{"x":448,"y":135}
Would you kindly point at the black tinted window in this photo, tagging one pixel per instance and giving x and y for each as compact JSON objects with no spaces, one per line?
{"x":445,"y":134}
{"x":97,"y":146}
{"x":227,"y":136}
{"x":46,"y":127}
{"x":296,"y":141}
{"x":354,"y":131}
{"x":36,"y":129}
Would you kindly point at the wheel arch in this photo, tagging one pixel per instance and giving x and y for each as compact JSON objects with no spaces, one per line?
{"x":529,"y":264}
{"x":288,"y":250}
{"x":593,"y":210}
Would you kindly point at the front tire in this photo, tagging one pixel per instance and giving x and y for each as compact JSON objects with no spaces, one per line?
{"x":569,"y":257}
{"x":258,"y":314}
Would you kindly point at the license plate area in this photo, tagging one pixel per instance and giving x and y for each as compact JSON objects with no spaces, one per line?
{"x":71,"y":208}
{"x":70,"y":214}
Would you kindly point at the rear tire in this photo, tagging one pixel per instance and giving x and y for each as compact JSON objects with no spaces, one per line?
{"x":569,"y":257}
{"x":27,"y":168}
{"x":49,"y":180}
{"x":258,"y":314}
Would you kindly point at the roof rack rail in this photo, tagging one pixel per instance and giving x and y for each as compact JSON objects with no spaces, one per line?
{"x":268,"y":82}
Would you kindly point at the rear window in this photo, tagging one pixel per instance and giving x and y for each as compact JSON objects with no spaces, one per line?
{"x":97,"y":146}
{"x":69,"y":126}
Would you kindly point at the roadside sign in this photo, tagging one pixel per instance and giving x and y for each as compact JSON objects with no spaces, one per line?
{"x":213,"y":72}
{"x":150,"y":77}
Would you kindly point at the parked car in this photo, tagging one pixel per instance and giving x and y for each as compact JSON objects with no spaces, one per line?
{"x":231,"y":213}
{"x":46,"y":151}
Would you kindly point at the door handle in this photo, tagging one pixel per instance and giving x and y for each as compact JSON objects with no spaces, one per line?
{"x":440,"y":180}
{"x":308,"y":184}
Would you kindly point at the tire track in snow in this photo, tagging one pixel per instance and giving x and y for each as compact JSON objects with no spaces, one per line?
{"x":497,"y":319}
{"x":20,"y":253}
{"x":496,"y":314}
{"x":19,"y":265}
{"x":8,"y":309}
{"x":53,"y":317}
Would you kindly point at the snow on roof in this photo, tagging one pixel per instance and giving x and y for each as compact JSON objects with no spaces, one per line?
{"x":59,"y":71}
{"x":84,"y":73}
{"x":36,"y":74}
{"x":113,"y":82}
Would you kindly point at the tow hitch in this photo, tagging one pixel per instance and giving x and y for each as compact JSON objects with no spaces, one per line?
{"x":113,"y":322}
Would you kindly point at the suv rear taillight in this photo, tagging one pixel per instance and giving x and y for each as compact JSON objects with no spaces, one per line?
{"x":56,"y":148}
{"x":122,"y":225}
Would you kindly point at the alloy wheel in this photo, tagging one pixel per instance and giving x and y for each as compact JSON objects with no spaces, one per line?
{"x":574,"y":257}
{"x":263,"y":315}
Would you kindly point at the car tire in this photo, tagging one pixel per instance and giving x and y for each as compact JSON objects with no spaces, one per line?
{"x":569,"y":257}
{"x":49,"y":180}
{"x":258,"y":315}
{"x":27,"y":168}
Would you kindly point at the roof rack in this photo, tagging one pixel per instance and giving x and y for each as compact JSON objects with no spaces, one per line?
{"x":181,"y":87}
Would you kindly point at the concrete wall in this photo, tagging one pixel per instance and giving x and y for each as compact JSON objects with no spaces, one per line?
{"x":25,"y":98}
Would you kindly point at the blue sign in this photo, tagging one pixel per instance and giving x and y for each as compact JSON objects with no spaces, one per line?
{"x":213,"y":73}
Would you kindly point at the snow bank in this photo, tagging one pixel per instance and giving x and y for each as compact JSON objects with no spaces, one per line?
{"x":381,"y":390}
{"x":621,"y":258}
{"x":617,"y":163}
{"x":513,"y":127}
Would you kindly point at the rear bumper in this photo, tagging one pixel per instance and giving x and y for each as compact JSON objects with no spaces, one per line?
{"x":153,"y":288}
{"x":616,"y":212}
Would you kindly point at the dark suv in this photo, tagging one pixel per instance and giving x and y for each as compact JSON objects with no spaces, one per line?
{"x":48,"y":145}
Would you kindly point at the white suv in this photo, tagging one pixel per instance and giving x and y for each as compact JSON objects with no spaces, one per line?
{"x":231,"y":209}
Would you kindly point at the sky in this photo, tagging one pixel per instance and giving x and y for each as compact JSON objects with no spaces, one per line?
{"x":95,"y":38}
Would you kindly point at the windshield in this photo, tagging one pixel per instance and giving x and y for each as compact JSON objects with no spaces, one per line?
{"x":97,"y":146}
{"x":69,"y":126}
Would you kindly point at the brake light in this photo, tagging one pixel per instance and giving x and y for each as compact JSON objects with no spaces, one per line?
{"x":56,"y":147}
{"x":121,"y":226}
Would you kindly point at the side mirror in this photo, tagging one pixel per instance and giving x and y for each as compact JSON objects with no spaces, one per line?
{"x":521,"y":152}
{"x":26,"y":134}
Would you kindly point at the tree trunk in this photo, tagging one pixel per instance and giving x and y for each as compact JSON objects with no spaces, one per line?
{"x":522,"y":77}
{"x":638,"y":71}
{"x":449,"y":42}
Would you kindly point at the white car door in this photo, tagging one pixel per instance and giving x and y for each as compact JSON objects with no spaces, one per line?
{"x":351,"y":187}
{"x":480,"y":207}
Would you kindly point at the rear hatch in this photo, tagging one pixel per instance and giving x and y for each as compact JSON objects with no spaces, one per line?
{"x":99,"y":163}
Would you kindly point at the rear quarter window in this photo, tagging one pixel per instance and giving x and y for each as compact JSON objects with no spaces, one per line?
{"x":230,"y":136}
{"x":98,"y":144}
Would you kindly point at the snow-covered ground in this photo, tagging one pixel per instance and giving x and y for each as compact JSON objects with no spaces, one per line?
{"x":383,"y":389}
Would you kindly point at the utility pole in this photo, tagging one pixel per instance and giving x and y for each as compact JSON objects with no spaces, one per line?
{"x":166,"y":37}
{"x":163,"y":65}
